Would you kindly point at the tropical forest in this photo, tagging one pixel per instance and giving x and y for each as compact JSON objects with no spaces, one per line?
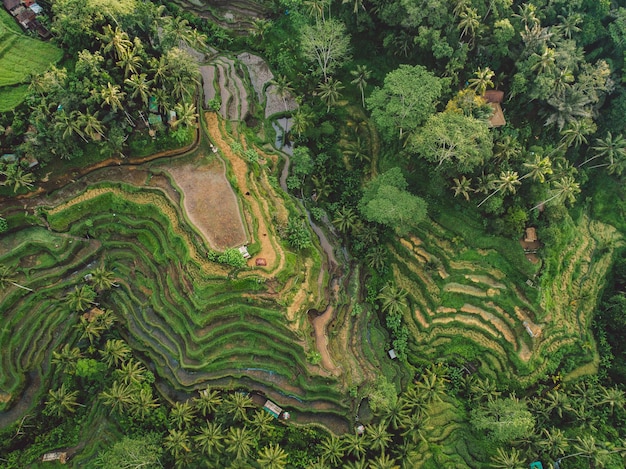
{"x":313,"y":234}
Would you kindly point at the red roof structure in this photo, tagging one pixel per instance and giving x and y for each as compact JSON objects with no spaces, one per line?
{"x":494,"y":98}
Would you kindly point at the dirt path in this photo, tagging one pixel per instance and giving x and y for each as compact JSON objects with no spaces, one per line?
{"x":320,"y":324}
{"x":275,"y":261}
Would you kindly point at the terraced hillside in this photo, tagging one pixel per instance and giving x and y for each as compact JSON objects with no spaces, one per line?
{"x":236,"y":15}
{"x":193,"y":320}
{"x":485,"y":303}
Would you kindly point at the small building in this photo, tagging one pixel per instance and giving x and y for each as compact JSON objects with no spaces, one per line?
{"x":153,"y":105}
{"x":244,"y":252}
{"x":530,"y":235}
{"x":272,"y":408}
{"x":25,"y":18}
{"x":8,"y":158}
{"x":495,"y":98}
{"x":36,"y":7}
{"x":172,"y":117}
{"x":55,"y":456}
{"x":10,"y":5}
{"x":536,"y":465}
{"x":392,"y":354}
{"x":260,"y":261}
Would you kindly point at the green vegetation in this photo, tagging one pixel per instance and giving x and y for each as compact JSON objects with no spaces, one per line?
{"x":436,"y":271}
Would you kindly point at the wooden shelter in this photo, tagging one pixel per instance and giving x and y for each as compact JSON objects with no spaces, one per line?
{"x":11,"y":4}
{"x":272,"y":408}
{"x":55,"y":456}
{"x":495,"y":98}
{"x":530,"y":235}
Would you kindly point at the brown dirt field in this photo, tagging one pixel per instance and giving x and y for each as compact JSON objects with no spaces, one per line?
{"x":466,"y":289}
{"x":210,"y":202}
{"x":275,"y":261}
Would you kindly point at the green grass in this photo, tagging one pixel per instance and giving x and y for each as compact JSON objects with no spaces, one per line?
{"x":21,"y":57}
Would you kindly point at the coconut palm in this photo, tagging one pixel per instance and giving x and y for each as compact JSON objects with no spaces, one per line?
{"x":611,"y":148}
{"x":462,"y":187}
{"x":236,"y":404}
{"x":186,"y":115}
{"x":81,"y":298}
{"x":330,"y":92}
{"x":17,"y":177}
{"x":361,"y":74}
{"x":182,"y":414}
{"x":570,"y":106}
{"x":469,"y":23}
{"x":586,"y":446}
{"x":506,"y":182}
{"x":89,"y":329}
{"x":332,"y":449}
{"x":507,"y":148}
{"x":553,"y":442}
{"x":208,"y":402}
{"x":538,"y":168}
{"x":6,"y":278}
{"x":483,"y":389}
{"x":272,"y":457}
{"x":177,"y":442}
{"x":115,"y":352}
{"x":61,"y":401}
{"x":355,"y":445}
{"x":432,"y":385}
{"x":568,"y":25}
{"x":139,"y":87}
{"x":115,"y":41}
{"x":66,"y":358}
{"x":263,"y":422}
{"x":130,"y":62}
{"x":209,"y":440}
{"x":316,"y":8}
{"x":358,"y":464}
{"x":357,"y":150}
{"x":112,"y":96}
{"x":345,"y":219}
{"x":118,"y":396}
{"x":131,"y":372}
{"x":376,"y":258}
{"x":486,"y":183}
{"x":301,"y":120}
{"x":613,"y":397}
{"x":556,"y":400}
{"x":240,"y":442}
{"x":546,"y":62}
{"x":283,"y":88}
{"x":565,"y":190}
{"x":378,"y":436}
{"x":508,"y":459}
{"x":260,"y":27}
{"x":383,"y":462}
{"x":576,"y":133}
{"x":415,"y":425}
{"x":393,"y":299}
{"x":142,"y":402}
{"x":482,"y":80}
{"x":102,"y":278}
{"x":91,"y":125}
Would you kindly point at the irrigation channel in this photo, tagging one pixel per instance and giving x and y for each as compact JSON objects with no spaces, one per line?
{"x":130,"y":170}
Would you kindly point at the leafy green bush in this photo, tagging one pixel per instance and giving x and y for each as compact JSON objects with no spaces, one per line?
{"x":232,"y":257}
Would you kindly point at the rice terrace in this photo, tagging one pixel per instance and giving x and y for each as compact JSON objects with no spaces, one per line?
{"x":283,"y":234}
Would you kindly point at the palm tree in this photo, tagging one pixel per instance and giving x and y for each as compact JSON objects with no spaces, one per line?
{"x":378,"y":436}
{"x":507,"y":148}
{"x":118,"y":396}
{"x":376,"y":258}
{"x":67,"y":358}
{"x":613,"y":148}
{"x":130,"y":62}
{"x":357,"y":149}
{"x":355,"y":445}
{"x":116,"y":41}
{"x":393,"y":299}
{"x":432,"y":385}
{"x":272,"y":457}
{"x":91,"y":125}
{"x":507,"y":182}
{"x":576,"y":133}
{"x":177,"y":442}
{"x":81,"y":298}
{"x":329,"y":92}
{"x":357,"y":5}
{"x":7,"y":279}
{"x":345,"y":219}
{"x":182,"y":414}
{"x":139,"y":86}
{"x":613,"y":397}
{"x":131,"y":372}
{"x":115,"y":352}
{"x":185,"y":114}
{"x":569,"y":24}
{"x":17,"y":177}
{"x":538,"y":168}
{"x":570,"y":106}
{"x":209,"y":401}
{"x":236,"y":404}
{"x":240,"y":442}
{"x":482,"y":80}
{"x":507,"y":460}
{"x":301,"y":120}
{"x":483,"y":389}
{"x":587,"y":447}
{"x":262,"y":422}
{"x":383,"y":462}
{"x":462,"y":187}
{"x":61,"y":401}
{"x":555,"y":400}
{"x":469,"y":23}
{"x":112,"y":96}
{"x":179,"y":30}
{"x":545,"y":62}
{"x":415,"y":424}
{"x":142,"y":402}
{"x":565,"y":190}
{"x":283,"y":88}
{"x":358,"y":464}
{"x":361,"y":74}
{"x":332,"y":450}
{"x":209,"y":440}
{"x":260,"y":27}
{"x":102,"y":278}
{"x":90,"y":330}
{"x":316,"y":8}
{"x":553,"y":442}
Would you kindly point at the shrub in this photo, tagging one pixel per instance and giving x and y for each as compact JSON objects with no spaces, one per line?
{"x":3,"y":225}
{"x":298,"y":236}
{"x":232,"y":257}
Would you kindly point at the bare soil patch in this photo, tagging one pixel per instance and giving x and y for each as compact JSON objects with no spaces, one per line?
{"x":210,"y":202}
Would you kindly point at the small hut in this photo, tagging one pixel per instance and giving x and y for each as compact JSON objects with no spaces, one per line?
{"x":495,"y":98}
{"x":272,"y":408}
{"x":530,"y":235}
{"x":55,"y":456}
